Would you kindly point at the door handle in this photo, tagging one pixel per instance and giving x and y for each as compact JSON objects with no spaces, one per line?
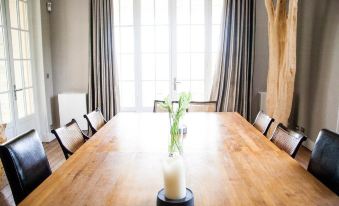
{"x":15,"y":91}
{"x":175,"y":82}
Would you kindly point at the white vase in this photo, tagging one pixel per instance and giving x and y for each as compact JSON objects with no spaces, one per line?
{"x":174,"y":177}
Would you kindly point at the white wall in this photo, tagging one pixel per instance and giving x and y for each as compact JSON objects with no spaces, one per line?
{"x":70,"y":43}
{"x":69,"y":26}
{"x":317,"y":84}
{"x":261,"y":56}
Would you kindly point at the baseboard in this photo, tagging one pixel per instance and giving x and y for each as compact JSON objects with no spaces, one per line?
{"x":48,"y":138}
{"x":309,"y":144}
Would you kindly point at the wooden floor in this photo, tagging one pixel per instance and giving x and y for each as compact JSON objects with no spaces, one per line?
{"x":56,"y":159}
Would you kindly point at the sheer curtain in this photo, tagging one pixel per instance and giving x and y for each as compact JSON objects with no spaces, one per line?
{"x":103,"y":87}
{"x":232,"y":86}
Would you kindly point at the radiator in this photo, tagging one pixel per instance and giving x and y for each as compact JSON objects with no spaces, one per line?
{"x":72,"y":106}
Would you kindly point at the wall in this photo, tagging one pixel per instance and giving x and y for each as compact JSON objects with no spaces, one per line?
{"x":261,"y":56}
{"x":69,"y":25}
{"x":47,"y":59}
{"x":317,"y":82}
{"x":69,"y":28}
{"x":41,"y":64}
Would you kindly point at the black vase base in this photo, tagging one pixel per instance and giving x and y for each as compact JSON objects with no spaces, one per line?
{"x":187,"y":201}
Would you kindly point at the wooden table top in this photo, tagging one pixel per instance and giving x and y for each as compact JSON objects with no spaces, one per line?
{"x":228,"y":162}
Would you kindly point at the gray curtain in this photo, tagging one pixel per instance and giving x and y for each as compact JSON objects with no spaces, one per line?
{"x":103,"y":87}
{"x":232,"y":86}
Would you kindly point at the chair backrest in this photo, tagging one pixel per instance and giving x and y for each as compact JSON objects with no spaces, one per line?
{"x":210,"y":106}
{"x":25,"y":164}
{"x":157,"y":106}
{"x":324,"y":163}
{"x":263,"y":122}
{"x":287,"y":140}
{"x":95,"y":120}
{"x":70,"y":137}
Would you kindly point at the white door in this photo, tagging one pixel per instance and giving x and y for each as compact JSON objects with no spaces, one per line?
{"x":17,"y":105}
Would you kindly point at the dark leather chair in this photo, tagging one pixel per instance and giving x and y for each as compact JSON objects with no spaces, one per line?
{"x":25,"y":164}
{"x":70,"y":137}
{"x":324,"y":163}
{"x":95,"y":120}
{"x":263,"y":122}
{"x":287,"y":140}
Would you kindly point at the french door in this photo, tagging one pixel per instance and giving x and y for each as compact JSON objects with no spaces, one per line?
{"x":165,"y":47}
{"x":17,"y":103}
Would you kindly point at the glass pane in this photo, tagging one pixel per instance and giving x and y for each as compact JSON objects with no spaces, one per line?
{"x":127,"y":40}
{"x":126,"y":12}
{"x":23,"y":15}
{"x":161,"y":11}
{"x":126,"y":67}
{"x":217,"y":9}
{"x":162,"y":67}
{"x":162,"y":89}
{"x":1,"y":12}
{"x":18,"y":74}
{"x":5,"y":108}
{"x":197,"y":66}
{"x":183,"y":38}
{"x":13,"y":13}
{"x":117,"y":40}
{"x":27,"y":73}
{"x":147,"y":12}
{"x":29,"y":101}
{"x":148,"y":93}
{"x":20,"y":103}
{"x":162,"y":39}
{"x":184,"y":86}
{"x":26,"y":54}
{"x":16,"y":44}
{"x":118,"y":62}
{"x":127,"y":94}
{"x":197,"y":12}
{"x":116,"y":11}
{"x":147,"y":39}
{"x":197,"y":90}
{"x":3,"y":77}
{"x":197,"y":38}
{"x":183,"y":66}
{"x":2,"y":44}
{"x":148,"y":66}
{"x":183,"y":12}
{"x":215,"y":38}
{"x":215,"y":62}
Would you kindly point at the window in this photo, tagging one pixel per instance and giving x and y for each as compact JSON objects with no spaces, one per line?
{"x":165,"y":47}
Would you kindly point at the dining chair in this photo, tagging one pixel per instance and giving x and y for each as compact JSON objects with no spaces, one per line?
{"x":70,"y":137}
{"x":210,"y":106}
{"x":263,"y":122}
{"x":287,"y":140}
{"x":324,"y":162}
{"x":157,"y":106}
{"x":25,"y":163}
{"x":95,"y":120}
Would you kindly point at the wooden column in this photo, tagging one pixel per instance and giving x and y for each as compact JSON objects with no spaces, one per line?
{"x":282,"y":34}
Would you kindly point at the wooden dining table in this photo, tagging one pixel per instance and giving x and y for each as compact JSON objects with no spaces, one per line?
{"x":228,"y":162}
